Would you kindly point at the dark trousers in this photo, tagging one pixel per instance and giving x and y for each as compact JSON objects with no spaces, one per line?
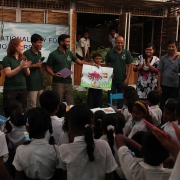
{"x":118,"y":88}
{"x":94,"y":98}
{"x":11,"y":95}
{"x":167,"y":93}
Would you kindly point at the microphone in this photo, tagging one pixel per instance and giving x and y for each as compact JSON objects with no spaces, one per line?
{"x":42,"y":59}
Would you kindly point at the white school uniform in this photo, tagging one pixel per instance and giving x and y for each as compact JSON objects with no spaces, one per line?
{"x":63,"y":139}
{"x":128,"y":126}
{"x":167,"y":127}
{"x":38,"y":159}
{"x":139,"y":126}
{"x":118,"y":170}
{"x":74,"y":159}
{"x":3,"y":147}
{"x":156,"y":114}
{"x":85,"y":43}
{"x":175,"y":172}
{"x":126,"y":113}
{"x":57,"y":124}
{"x":16,"y":136}
{"x":135,"y":170}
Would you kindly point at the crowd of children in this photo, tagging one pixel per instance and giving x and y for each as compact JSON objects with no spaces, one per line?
{"x":81,"y":145}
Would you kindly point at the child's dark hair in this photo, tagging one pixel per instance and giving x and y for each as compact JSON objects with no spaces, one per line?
{"x":36,"y":37}
{"x":62,"y":110}
{"x":16,"y":118}
{"x":96,"y":55}
{"x":138,"y":136}
{"x":85,"y":31}
{"x":131,"y":103}
{"x":81,"y":117}
{"x":39,"y":122}
{"x":153,"y":151}
{"x":142,"y":106}
{"x":109,"y":124}
{"x":171,"y":104}
{"x":153,"y":97}
{"x":127,"y":89}
{"x":121,"y":123}
{"x":11,"y":106}
{"x":49,"y":100}
{"x":98,"y":131}
{"x":65,"y":127}
{"x":128,"y":95}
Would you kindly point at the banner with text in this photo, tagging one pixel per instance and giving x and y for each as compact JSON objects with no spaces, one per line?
{"x":49,"y":32}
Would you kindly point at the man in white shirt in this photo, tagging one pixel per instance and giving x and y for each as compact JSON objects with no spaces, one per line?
{"x":79,"y":53}
{"x":112,"y":37}
{"x":49,"y":100}
{"x":154,"y":154}
{"x":85,"y":45}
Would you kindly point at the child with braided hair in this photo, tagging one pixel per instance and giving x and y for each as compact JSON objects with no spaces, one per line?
{"x":37,"y":159}
{"x":85,"y":158}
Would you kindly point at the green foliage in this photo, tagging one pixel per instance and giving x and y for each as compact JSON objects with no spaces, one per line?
{"x":103,"y":51}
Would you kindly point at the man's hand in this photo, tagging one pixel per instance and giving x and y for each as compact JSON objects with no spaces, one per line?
{"x":38,"y":64}
{"x":126,"y":82}
{"x":112,"y":75}
{"x":177,"y":54}
{"x":58,"y":74}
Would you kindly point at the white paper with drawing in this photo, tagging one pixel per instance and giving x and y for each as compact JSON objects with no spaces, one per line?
{"x":94,"y":77}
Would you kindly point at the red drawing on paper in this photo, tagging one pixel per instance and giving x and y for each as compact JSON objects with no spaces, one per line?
{"x":94,"y":76}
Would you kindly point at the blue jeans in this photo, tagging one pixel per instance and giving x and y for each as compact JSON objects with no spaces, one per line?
{"x":118,"y":88}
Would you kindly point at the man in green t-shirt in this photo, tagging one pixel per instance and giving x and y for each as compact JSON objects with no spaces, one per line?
{"x":59,"y":59}
{"x":34,"y":81}
{"x":120,"y":60}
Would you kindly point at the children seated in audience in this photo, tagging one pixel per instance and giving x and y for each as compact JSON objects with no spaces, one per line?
{"x":85,"y":158}
{"x":137,"y":137}
{"x":66,"y":136}
{"x":154,"y":154}
{"x":4,"y":174}
{"x":169,"y":115}
{"x":37,"y":159}
{"x":155,"y":112}
{"x":61,"y":111}
{"x":97,"y":129}
{"x":15,"y":128}
{"x":128,"y":93}
{"x":49,"y":101}
{"x":120,"y":123}
{"x":109,"y":125}
{"x":11,"y":106}
{"x":130,"y":123}
{"x":139,"y":111}
{"x":168,"y":127}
